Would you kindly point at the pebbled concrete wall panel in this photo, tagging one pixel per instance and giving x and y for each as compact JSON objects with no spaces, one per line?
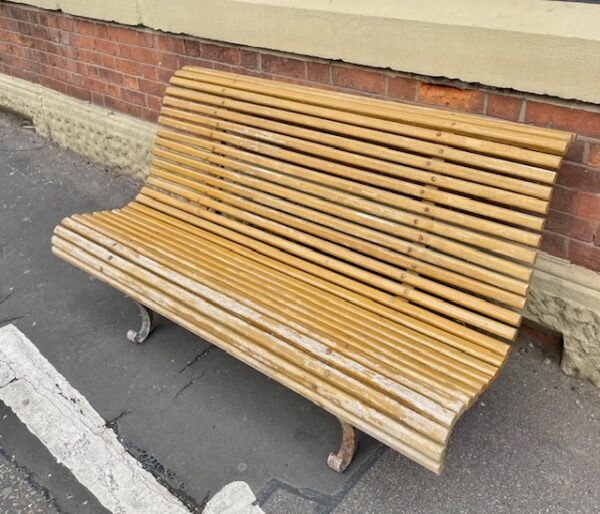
{"x":115,"y":140}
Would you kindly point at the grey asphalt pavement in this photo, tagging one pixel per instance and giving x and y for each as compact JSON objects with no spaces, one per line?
{"x":198,"y":419}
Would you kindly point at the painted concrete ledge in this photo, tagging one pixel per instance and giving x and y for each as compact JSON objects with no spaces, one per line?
{"x":532,"y":46}
{"x":562,"y":297}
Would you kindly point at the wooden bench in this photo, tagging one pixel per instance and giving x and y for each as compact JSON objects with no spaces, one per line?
{"x":372,"y":256}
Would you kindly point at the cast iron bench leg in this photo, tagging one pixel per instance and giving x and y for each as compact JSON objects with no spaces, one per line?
{"x":339,"y":461}
{"x":147,"y":325}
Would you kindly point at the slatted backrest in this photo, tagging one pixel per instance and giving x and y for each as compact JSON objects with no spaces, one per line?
{"x":436,"y":214}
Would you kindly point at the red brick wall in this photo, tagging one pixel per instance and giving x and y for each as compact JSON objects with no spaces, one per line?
{"x":126,"y":69}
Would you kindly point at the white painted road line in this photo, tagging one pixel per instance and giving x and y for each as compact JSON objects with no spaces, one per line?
{"x":234,"y":498}
{"x":65,"y":422}
{"x":75,"y":434}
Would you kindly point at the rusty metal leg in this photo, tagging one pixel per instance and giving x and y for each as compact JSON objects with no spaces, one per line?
{"x":147,"y":325}
{"x":339,"y":461}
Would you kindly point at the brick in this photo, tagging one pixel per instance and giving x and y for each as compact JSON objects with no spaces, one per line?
{"x":19,"y":13}
{"x":575,"y":152}
{"x":585,"y":123}
{"x":129,"y":67}
{"x":564,"y":199}
{"x":220,"y":53}
{"x":357,"y":78}
{"x":145,"y":55}
{"x":133,"y":97}
{"x":588,"y":205}
{"x":150,"y":115}
{"x":66,"y":23}
{"x":572,"y":226}
{"x":149,"y":72}
{"x":131,"y":82}
{"x":109,"y":61}
{"x":593,"y":156}
{"x":191,"y":47}
{"x":318,"y":72}
{"x":85,"y":27}
{"x":8,"y":24}
{"x":24,"y":28}
{"x":152,"y":88}
{"x":505,"y":107}
{"x":34,"y":16}
{"x":164,"y":74}
{"x":106,"y":47}
{"x":578,"y":177}
{"x":185,"y":60}
{"x":227,"y":67}
{"x":403,"y":88}
{"x":287,"y":66}
{"x":146,"y":38}
{"x":51,"y":20}
{"x":166,"y":43}
{"x":541,"y":334}
{"x":120,"y":105}
{"x":82,"y":41}
{"x":555,"y":244}
{"x":154,"y":103}
{"x":89,"y":56}
{"x":39,"y":32}
{"x":96,"y":86}
{"x":102,"y":31}
{"x":170,"y":61}
{"x":81,"y":93}
{"x":249,"y":59}
{"x":469,"y":100}
{"x":585,"y":255}
{"x":110,"y":76}
{"x":123,"y":35}
{"x":97,"y":98}
{"x":126,"y":52}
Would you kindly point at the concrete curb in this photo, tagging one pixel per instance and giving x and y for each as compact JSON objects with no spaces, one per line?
{"x":563,"y":297}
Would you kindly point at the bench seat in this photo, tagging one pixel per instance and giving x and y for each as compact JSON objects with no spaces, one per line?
{"x":355,"y":289}
{"x":402,"y":380}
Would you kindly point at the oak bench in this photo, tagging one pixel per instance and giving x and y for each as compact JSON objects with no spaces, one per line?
{"x":372,"y":256}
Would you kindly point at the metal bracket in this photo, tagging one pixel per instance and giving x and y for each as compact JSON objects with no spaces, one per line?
{"x":147,"y":325}
{"x":341,"y":460}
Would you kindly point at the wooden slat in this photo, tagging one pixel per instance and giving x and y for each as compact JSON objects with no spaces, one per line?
{"x":366,"y":210}
{"x":349,"y":154}
{"x":550,"y":140}
{"x":317,"y":224}
{"x":457,"y":232}
{"x":264,"y":180}
{"x":452,"y":335}
{"x":291,"y":374}
{"x":382,"y":150}
{"x":448,"y":382}
{"x":332,"y":108}
{"x":446,"y":273}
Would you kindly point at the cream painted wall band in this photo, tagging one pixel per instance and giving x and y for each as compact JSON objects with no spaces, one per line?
{"x":549,"y":48}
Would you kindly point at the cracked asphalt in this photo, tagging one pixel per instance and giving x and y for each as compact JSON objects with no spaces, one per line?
{"x":198,"y":419}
